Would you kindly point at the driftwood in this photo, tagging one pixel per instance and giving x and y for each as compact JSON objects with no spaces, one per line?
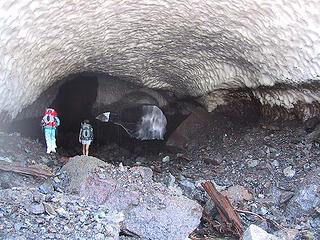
{"x":33,"y":170}
{"x":230,"y":218}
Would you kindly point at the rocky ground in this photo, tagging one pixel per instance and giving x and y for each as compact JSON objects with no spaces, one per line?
{"x":269,"y":171}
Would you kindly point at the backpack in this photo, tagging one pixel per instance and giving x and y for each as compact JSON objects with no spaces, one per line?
{"x":48,"y":119}
{"x":86,"y":132}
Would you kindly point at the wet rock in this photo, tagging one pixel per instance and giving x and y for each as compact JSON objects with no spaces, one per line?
{"x":254,"y":232}
{"x":306,"y":198}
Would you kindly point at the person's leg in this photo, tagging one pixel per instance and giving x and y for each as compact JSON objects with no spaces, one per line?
{"x":53,"y":140}
{"x":48,"y":140}
{"x":87,"y":149}
{"x":54,"y":133}
{"x":83,"y":149}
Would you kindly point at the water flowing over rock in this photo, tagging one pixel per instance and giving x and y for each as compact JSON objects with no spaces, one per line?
{"x":144,"y":122}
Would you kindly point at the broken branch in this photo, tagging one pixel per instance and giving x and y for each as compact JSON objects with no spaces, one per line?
{"x":29,"y":170}
{"x":225,"y":209}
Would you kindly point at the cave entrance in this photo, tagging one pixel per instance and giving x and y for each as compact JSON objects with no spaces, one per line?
{"x":74,"y":103}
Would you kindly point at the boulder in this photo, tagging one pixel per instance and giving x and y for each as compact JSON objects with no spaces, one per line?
{"x":151,"y":210}
{"x":188,"y":129}
{"x":306,"y":197}
{"x":254,"y":232}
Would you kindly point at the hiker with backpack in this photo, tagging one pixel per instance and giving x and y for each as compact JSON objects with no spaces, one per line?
{"x":49,"y":123}
{"x":86,"y":136}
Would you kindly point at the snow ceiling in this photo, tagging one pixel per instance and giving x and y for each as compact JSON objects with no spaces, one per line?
{"x":191,"y":47}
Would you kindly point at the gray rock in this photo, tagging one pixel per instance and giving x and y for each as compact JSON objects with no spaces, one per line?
{"x":254,"y":232}
{"x":289,"y":172}
{"x":166,"y":159}
{"x":5,"y":159}
{"x":37,"y":208}
{"x":285,"y":196}
{"x":305,"y":201}
{"x":168,"y":179}
{"x":18,"y":226}
{"x":275,"y":163}
{"x":46,"y":187}
{"x":253,"y":163}
{"x":151,"y":209}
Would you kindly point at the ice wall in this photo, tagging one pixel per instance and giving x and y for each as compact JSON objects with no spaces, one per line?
{"x":191,"y":47}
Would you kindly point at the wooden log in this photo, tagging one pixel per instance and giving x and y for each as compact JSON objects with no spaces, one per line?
{"x":34,"y":170}
{"x":229,"y":216}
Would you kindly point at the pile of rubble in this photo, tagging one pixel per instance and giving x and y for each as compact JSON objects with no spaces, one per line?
{"x":269,"y":173}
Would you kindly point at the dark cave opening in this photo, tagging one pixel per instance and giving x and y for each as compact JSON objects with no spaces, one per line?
{"x":73,"y":104}
{"x":75,"y":101}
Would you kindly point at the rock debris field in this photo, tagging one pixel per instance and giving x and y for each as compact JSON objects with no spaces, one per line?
{"x":270,"y":172}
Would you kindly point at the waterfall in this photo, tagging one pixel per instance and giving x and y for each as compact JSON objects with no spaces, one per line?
{"x":152,"y":124}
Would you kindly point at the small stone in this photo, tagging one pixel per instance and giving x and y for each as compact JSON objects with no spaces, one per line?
{"x":287,"y":233}
{"x":37,"y":208}
{"x":17,"y":226}
{"x":82,"y":218}
{"x":285,"y":196}
{"x":67,"y":229}
{"x":99,"y":216}
{"x":166,"y":159}
{"x":5,"y":159}
{"x":99,"y":226}
{"x":100,"y":236}
{"x":289,"y":172}
{"x":121,"y":167}
{"x":56,"y":180}
{"x":46,"y":187}
{"x":49,"y":209}
{"x":253,"y":163}
{"x":101,"y":175}
{"x":275,"y":163}
{"x":38,"y":197}
{"x":307,"y":235}
{"x":62,"y":212}
{"x":264,"y":211}
{"x":237,"y":194}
